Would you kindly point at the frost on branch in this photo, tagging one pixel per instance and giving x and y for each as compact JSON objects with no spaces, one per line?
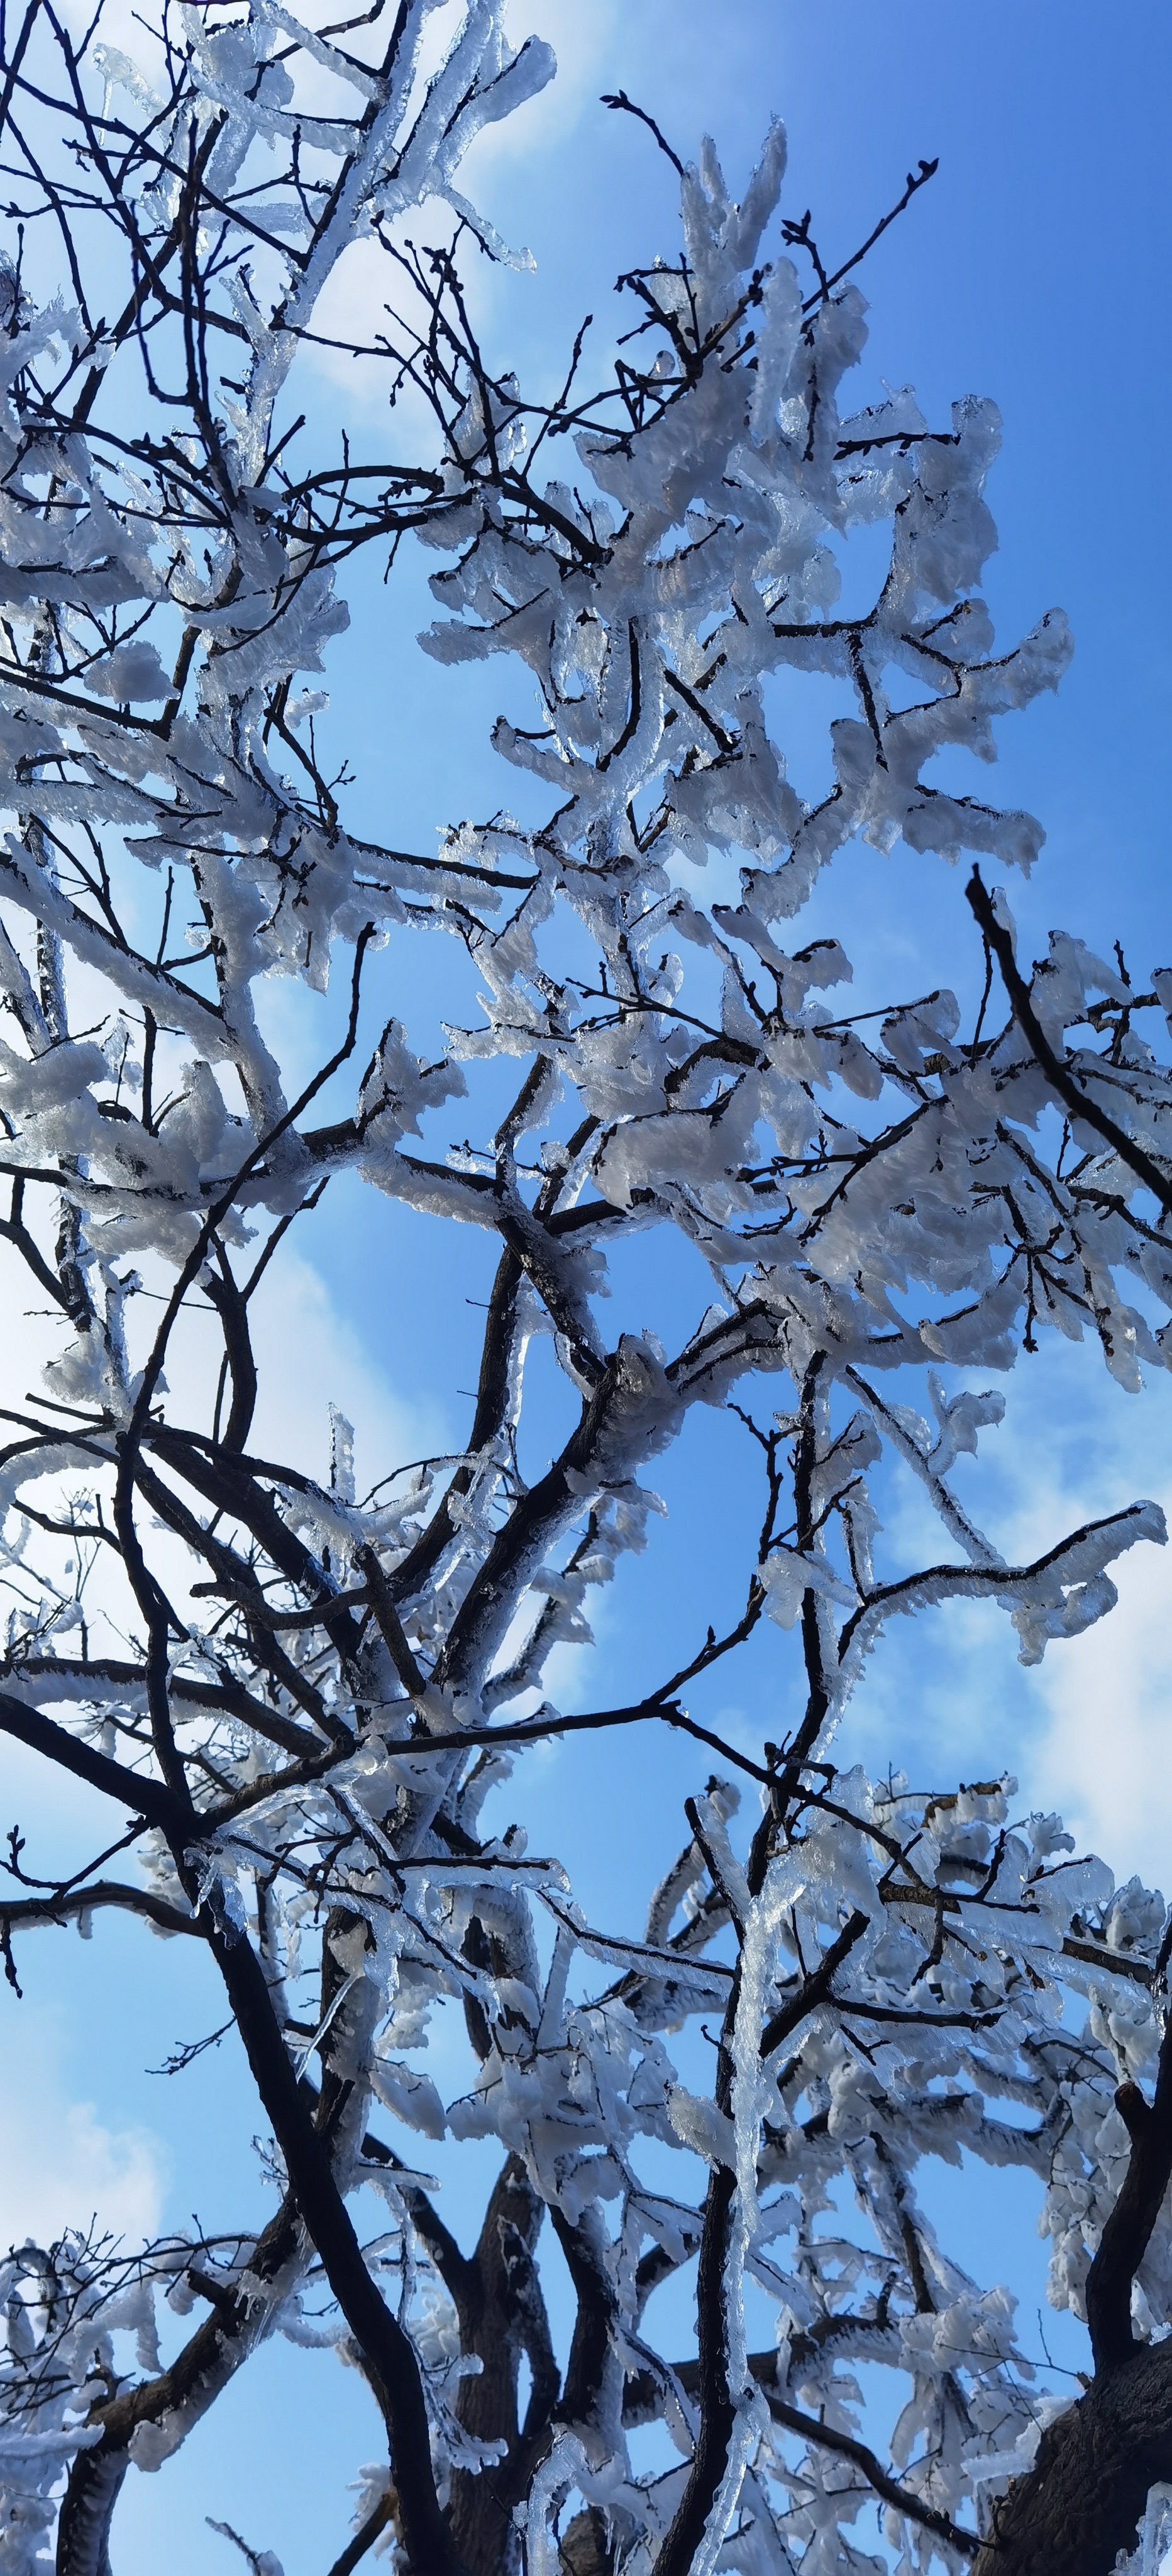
{"x":312,"y":1700}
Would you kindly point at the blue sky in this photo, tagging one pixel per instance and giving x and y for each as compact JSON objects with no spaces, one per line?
{"x":1034,"y":269}
{"x":1031,"y":269}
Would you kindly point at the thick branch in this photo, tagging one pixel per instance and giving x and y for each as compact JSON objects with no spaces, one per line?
{"x":814,"y":1989}
{"x":365,"y":2536}
{"x":1125,"y":2237}
{"x":102,"y":1894}
{"x":1082,"y":2502}
{"x":388,"y":2356}
{"x":502,"y":2315}
{"x":145,"y":1797}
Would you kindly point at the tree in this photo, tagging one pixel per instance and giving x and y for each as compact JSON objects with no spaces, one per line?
{"x":316,"y":1692}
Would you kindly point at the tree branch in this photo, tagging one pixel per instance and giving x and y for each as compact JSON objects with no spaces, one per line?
{"x":145,"y":1797}
{"x":1128,"y":2230}
{"x":1079,"y":1102}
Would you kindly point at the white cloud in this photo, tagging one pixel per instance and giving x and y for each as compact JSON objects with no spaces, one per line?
{"x":1089,"y":1731}
{"x":581,"y":33}
{"x":351,"y":309}
{"x":60,"y":2165}
{"x":1104,"y":1756}
{"x":1074,"y":1447}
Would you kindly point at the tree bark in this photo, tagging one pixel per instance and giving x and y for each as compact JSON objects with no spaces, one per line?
{"x":1083,"y":2500}
{"x":501,"y":2315}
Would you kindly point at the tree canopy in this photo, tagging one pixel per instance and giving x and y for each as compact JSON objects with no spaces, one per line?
{"x":295,"y":1698}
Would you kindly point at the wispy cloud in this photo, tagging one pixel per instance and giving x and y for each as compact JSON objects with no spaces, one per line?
{"x":1105,"y":1755}
{"x":1088,"y":1732}
{"x":582,"y":34}
{"x":60,"y":2164}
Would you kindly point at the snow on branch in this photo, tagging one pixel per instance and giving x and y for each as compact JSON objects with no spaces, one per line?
{"x":315,"y":1708}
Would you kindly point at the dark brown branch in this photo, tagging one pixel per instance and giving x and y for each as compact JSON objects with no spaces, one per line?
{"x":591,"y":2343}
{"x":717,"y":2405}
{"x":849,"y":2448}
{"x":491,"y":1402}
{"x":144,"y":1796}
{"x":619,"y":98}
{"x":814,"y":1989}
{"x":21,"y":1914}
{"x":643,"y":2398}
{"x":232,"y":1308}
{"x":365,"y":2536}
{"x":1079,"y":1102}
{"x":1126,"y":2236}
{"x":916,"y":180}
{"x":224,"y":1697}
{"x":535,"y":1730}
{"x":502,"y":2315}
{"x":390,"y":1626}
{"x":388,"y":2357}
{"x":130,"y":1440}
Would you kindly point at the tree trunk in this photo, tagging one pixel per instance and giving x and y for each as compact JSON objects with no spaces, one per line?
{"x":501,"y":2316}
{"x":1084,"y":2498}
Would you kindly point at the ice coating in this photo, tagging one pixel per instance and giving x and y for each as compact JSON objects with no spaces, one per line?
{"x":315,"y":1700}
